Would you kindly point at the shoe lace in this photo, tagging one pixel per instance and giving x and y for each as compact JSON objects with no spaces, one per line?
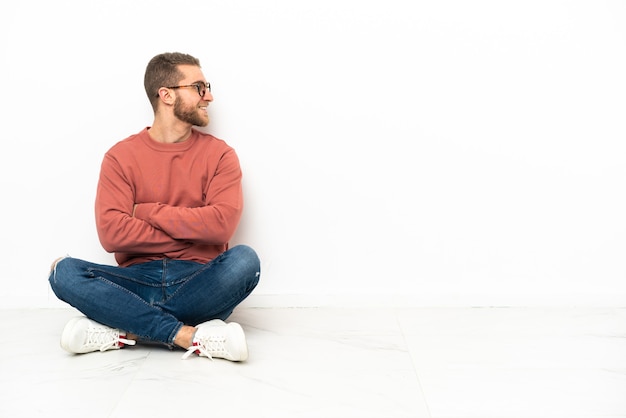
{"x":106,"y":338}
{"x":207,"y":346}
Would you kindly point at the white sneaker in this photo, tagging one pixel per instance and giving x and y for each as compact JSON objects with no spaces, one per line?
{"x":83,"y":335}
{"x":218,"y":339}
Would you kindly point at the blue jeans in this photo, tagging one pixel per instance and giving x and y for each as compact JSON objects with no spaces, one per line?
{"x":153,"y":300}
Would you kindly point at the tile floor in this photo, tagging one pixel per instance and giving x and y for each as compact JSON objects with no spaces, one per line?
{"x":328,"y":362}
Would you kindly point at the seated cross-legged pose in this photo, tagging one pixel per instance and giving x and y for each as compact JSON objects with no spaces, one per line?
{"x":169,"y":199}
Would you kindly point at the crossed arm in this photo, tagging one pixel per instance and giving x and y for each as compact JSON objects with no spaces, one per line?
{"x":125,"y":225}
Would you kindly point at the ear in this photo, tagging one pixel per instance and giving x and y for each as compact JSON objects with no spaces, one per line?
{"x":166,"y":95}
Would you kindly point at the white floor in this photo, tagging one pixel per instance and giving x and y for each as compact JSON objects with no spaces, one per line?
{"x":322,"y":362}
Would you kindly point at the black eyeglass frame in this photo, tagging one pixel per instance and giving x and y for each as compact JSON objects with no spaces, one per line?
{"x":200,"y":87}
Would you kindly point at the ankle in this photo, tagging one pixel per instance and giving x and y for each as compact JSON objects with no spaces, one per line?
{"x":184,"y":336}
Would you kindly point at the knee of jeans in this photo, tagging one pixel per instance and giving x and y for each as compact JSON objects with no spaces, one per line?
{"x":54,"y":268}
{"x":248,"y":256}
{"x":245,"y":252}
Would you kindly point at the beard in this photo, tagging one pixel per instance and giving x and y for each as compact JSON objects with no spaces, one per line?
{"x":189,"y":114}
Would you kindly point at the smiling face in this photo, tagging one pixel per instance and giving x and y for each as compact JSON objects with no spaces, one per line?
{"x":189,"y":106}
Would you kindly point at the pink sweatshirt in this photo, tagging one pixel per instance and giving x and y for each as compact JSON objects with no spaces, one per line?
{"x":188,"y":197}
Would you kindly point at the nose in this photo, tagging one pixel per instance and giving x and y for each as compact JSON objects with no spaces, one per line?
{"x":207,"y":96}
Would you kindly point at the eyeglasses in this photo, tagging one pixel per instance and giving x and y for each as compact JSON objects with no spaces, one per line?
{"x":201,"y":87}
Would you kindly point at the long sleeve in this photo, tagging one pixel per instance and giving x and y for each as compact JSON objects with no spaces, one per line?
{"x":117,"y":229}
{"x":180,"y":201}
{"x":213,"y":223}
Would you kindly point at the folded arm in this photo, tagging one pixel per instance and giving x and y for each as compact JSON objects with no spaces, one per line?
{"x":118,"y":229}
{"x":213,"y":223}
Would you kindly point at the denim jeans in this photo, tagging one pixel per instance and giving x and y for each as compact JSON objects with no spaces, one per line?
{"x":153,"y":300}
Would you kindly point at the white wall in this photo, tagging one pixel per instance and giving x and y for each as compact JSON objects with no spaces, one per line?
{"x":433,"y":153}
